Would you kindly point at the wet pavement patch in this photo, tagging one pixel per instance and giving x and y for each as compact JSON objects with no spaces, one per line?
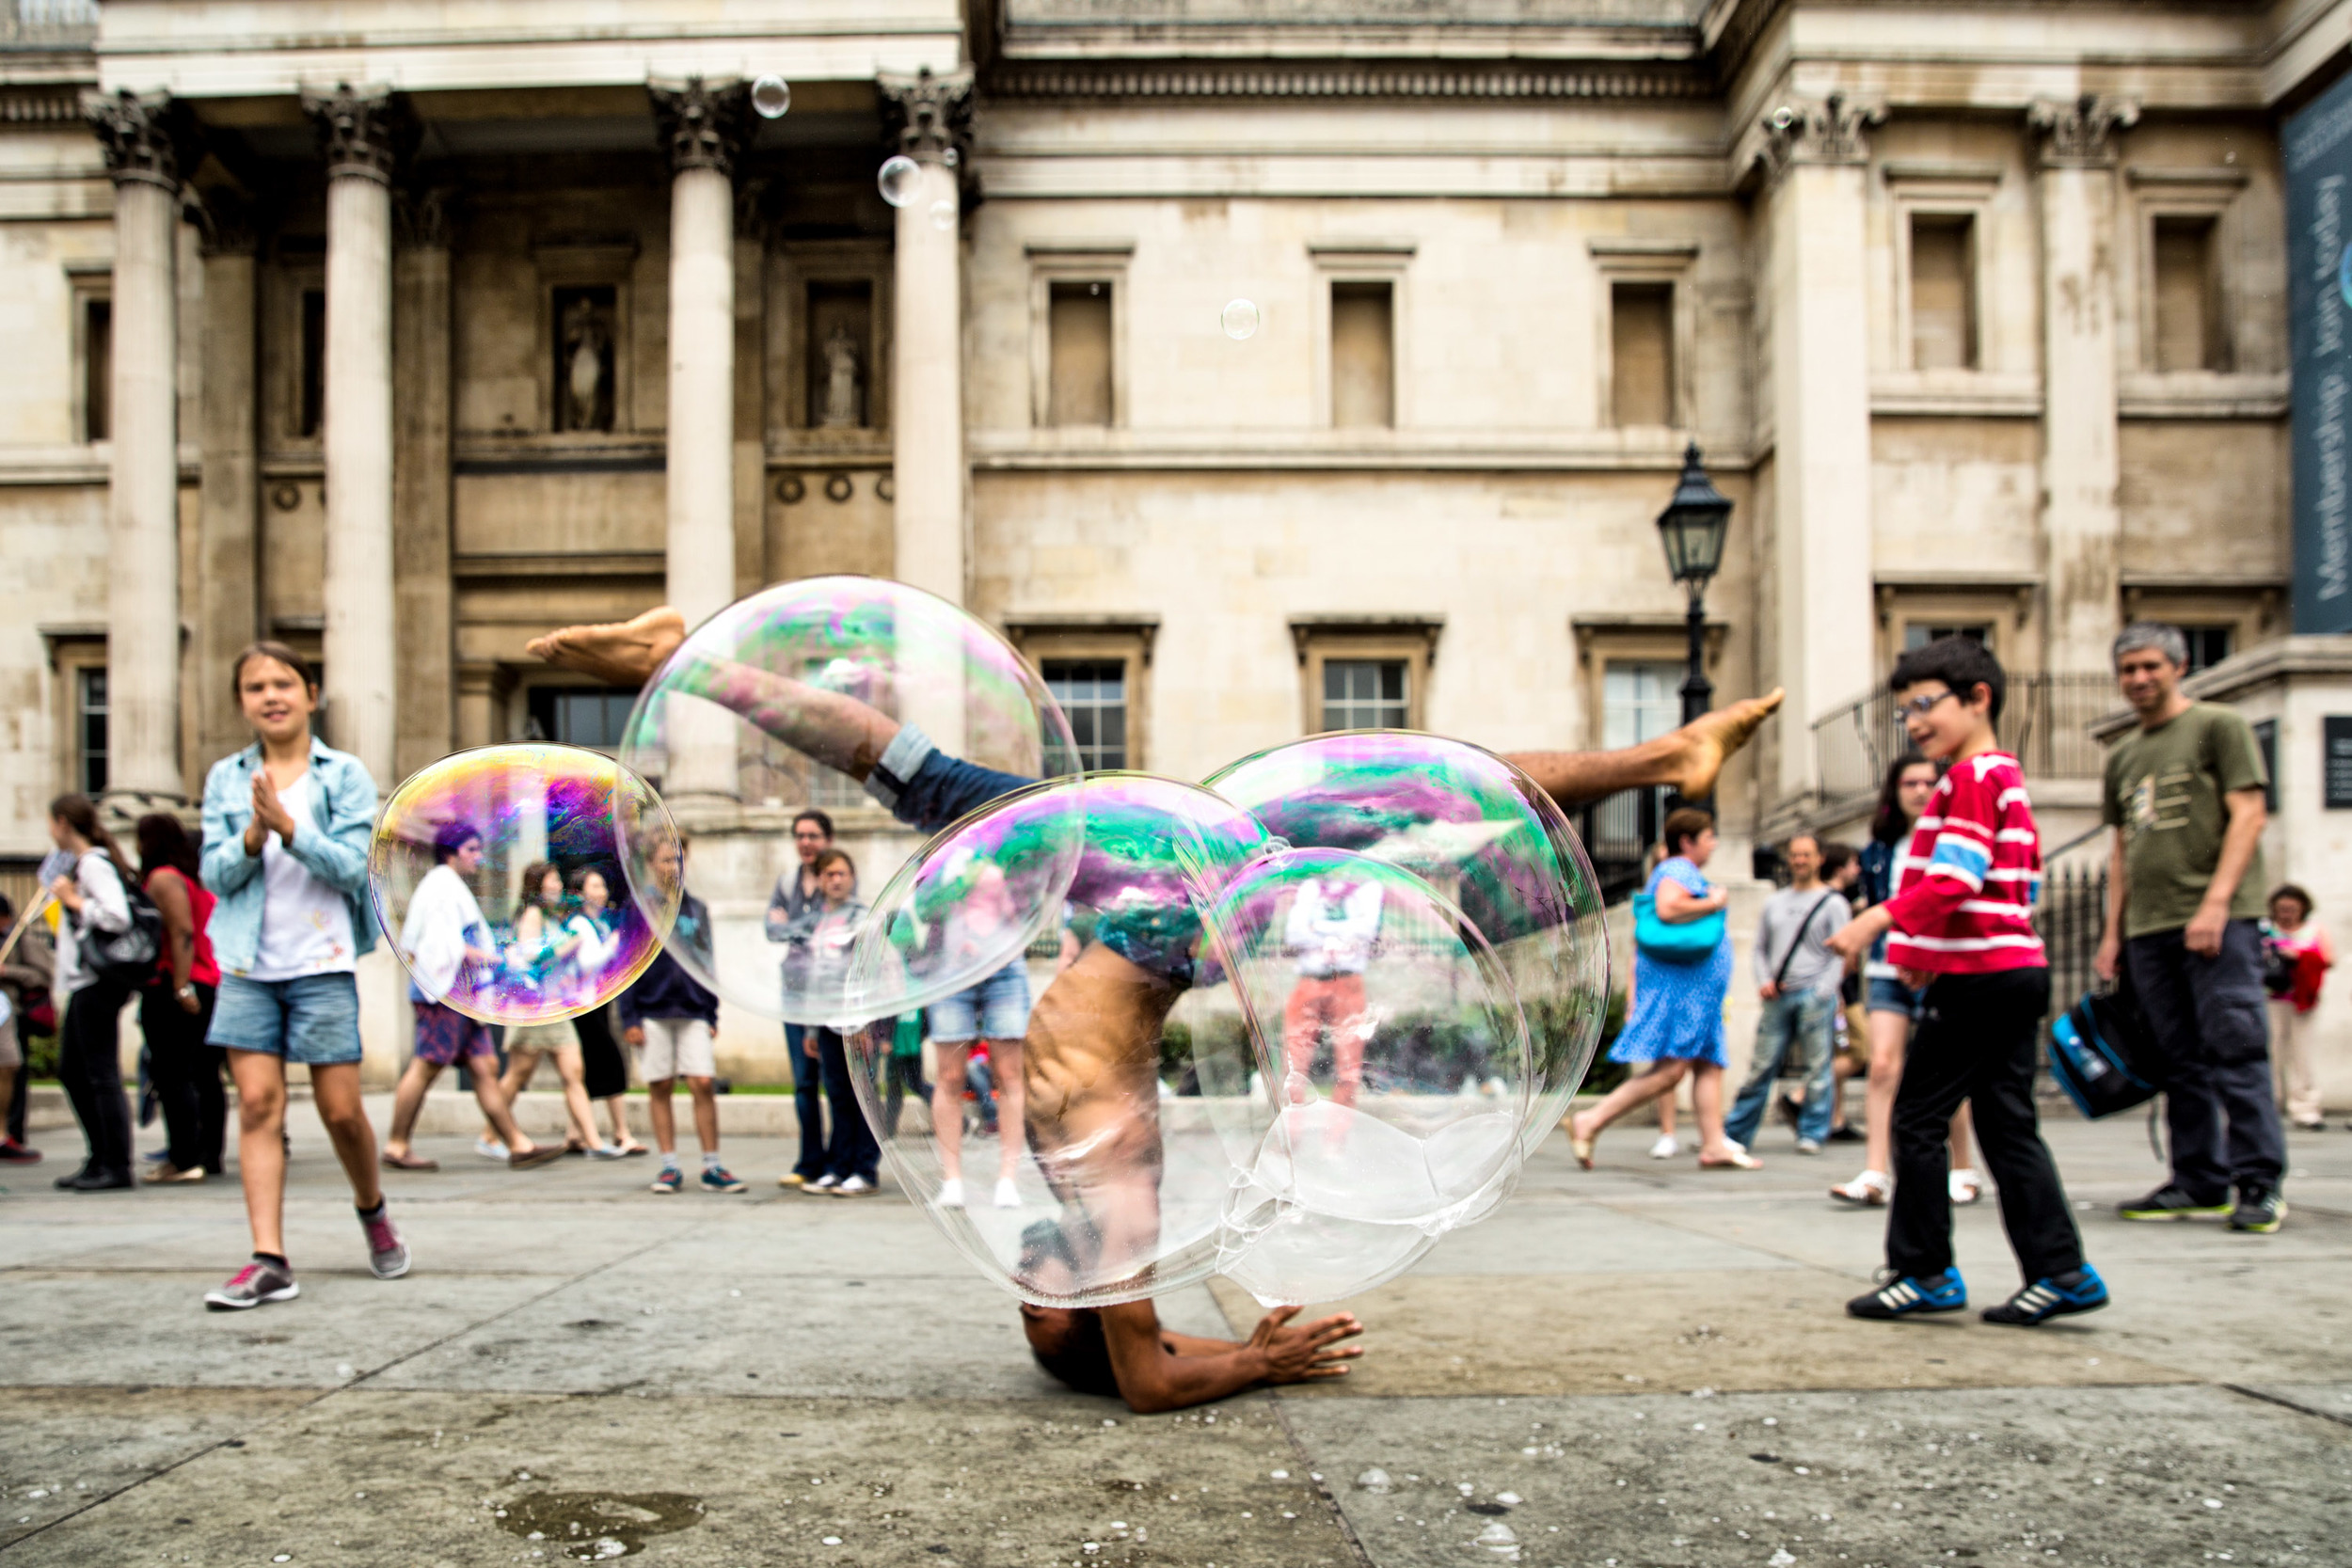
{"x":597,"y":1527}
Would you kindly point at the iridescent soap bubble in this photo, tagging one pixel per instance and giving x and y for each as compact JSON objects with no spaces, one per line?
{"x":900,"y":180}
{"x":1239,"y":319}
{"x":500,"y":873}
{"x":771,"y":97}
{"x":1487,"y":838}
{"x":1136,"y":1073}
{"x":942,"y":214}
{"x":784,"y":702}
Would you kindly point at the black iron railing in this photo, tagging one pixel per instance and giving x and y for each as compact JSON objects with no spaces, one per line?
{"x":2046,"y":720}
{"x":2071,"y":916}
{"x":1617,"y":831}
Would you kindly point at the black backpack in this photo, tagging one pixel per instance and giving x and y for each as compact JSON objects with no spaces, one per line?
{"x":128,"y":958}
{"x":2103,"y":1056}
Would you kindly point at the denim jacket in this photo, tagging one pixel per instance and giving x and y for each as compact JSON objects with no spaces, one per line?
{"x":343,"y":807}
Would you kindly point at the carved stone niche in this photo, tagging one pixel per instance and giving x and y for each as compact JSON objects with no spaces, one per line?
{"x":829,"y":344}
{"x":584,"y":335}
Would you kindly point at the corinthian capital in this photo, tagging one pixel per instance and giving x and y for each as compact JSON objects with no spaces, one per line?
{"x":146,"y":136}
{"x":2080,"y":134}
{"x":925,"y":117}
{"x":363,"y":131}
{"x":1830,"y":130}
{"x":704,"y":124}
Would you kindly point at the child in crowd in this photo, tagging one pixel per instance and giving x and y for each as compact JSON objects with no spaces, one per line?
{"x":672,"y":1018}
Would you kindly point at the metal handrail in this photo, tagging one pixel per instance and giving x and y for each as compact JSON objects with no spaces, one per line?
{"x":2046,"y":720}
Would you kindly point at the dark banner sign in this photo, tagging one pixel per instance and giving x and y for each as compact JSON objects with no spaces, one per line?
{"x":2319,"y":251}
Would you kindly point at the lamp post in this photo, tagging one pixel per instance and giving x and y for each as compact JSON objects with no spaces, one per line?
{"x":1692,"y":528}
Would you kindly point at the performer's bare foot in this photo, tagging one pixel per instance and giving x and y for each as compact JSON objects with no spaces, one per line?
{"x":1707,"y":742}
{"x":625,"y":653}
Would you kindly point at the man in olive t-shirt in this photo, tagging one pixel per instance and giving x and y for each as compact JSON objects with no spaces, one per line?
{"x":2185,"y":793}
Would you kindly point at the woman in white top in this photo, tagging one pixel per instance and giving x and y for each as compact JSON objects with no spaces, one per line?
{"x":544,"y":952}
{"x":88,"y":1034}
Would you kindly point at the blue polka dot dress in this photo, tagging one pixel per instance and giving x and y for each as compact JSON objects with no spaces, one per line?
{"x":1677,"y":1008}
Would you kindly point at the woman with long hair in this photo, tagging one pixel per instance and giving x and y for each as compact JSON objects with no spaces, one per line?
{"x":604,"y":1069}
{"x":1889,"y":1006}
{"x":1675,"y":1019}
{"x":89,"y":1042}
{"x":176,"y":1007}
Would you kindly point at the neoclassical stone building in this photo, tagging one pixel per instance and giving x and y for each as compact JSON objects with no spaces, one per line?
{"x":403,"y":331}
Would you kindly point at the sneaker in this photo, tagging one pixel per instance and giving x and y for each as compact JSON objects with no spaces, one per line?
{"x":1007,"y":1195}
{"x":1846,"y":1135}
{"x":2082,"y":1290}
{"x":388,"y":1255}
{"x":1963,"y":1187}
{"x":856,"y":1186}
{"x":2260,"y":1210}
{"x":791,"y":1178}
{"x":670,"y":1181}
{"x":825,"y":1183}
{"x":1869,"y":1190}
{"x":1904,"y":1297}
{"x":490,"y":1148}
{"x":2169,"y":1202}
{"x":1809,"y":1145}
{"x":718,"y":1178}
{"x":951,"y":1193}
{"x":252,"y":1285}
{"x":1666,"y":1147}
{"x":14,"y":1153}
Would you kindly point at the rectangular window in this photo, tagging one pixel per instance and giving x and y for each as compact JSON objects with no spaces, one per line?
{"x":1364,"y":694}
{"x":1641,"y":353}
{"x":1079,"y":371}
{"x":1943,"y":292}
{"x":313,"y":409}
{"x":1093,"y":692}
{"x":1918,"y":634}
{"x":2209,"y":645}
{"x":1363,"y":354}
{"x":1640,"y":701}
{"x":594,"y":717}
{"x":90,"y":727}
{"x":98,"y":368}
{"x":2188,"y":295}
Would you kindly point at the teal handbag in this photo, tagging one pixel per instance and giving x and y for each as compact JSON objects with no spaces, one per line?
{"x":1687,"y":942}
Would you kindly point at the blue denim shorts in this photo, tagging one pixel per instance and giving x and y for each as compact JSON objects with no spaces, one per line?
{"x":1892,"y":996}
{"x":996,"y":1009}
{"x":313,"y":1019}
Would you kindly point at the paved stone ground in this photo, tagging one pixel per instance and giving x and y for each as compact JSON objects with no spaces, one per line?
{"x":1640,"y":1365}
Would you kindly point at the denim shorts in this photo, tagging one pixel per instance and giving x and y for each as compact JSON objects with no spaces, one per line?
{"x":1893,"y":996}
{"x":996,"y":1009}
{"x":313,"y":1019}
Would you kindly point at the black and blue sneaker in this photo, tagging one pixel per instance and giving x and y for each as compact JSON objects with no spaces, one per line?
{"x":2058,"y":1297}
{"x":1909,"y":1295}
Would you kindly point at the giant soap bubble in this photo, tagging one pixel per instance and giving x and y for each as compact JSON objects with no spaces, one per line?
{"x":499,"y":871}
{"x":1488,"y":839}
{"x":785,"y":701}
{"x":1137,"y":1062}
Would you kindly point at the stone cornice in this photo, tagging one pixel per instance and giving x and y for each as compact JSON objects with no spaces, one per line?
{"x":927,"y":117}
{"x":2080,"y":134}
{"x":703,"y":124}
{"x":145,"y":136}
{"x":1342,"y":79}
{"x":1829,"y":130}
{"x":363,"y":131}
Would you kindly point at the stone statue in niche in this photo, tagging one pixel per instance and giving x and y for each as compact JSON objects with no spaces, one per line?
{"x":584,"y":363}
{"x":842,"y":401}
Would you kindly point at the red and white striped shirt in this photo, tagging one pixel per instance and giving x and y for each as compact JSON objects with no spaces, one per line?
{"x":1966,"y":883}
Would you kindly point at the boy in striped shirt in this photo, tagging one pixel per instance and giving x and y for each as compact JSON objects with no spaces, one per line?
{"x":1961,"y":924}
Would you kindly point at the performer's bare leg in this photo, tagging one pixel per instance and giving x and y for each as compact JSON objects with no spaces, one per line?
{"x":845,"y":733}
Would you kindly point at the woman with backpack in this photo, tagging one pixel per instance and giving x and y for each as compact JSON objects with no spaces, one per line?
{"x":176,"y":1006}
{"x":95,"y":902}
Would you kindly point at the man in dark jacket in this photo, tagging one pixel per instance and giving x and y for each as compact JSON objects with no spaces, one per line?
{"x":670,"y":1017}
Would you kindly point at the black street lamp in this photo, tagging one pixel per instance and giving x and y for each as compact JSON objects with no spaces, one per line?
{"x":1692,"y":528}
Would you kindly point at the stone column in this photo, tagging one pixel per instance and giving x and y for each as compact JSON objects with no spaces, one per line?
{"x":142,"y":138}
{"x":421,"y":481}
{"x":229,"y":595}
{"x":358,"y":131}
{"x":1818,"y":393}
{"x":2082,"y":524}
{"x":931,"y":120}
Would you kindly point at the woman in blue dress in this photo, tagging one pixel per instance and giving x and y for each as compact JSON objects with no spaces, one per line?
{"x":1674,"y":1016}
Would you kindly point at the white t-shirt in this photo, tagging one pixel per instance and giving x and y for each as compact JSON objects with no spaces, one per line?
{"x":305,"y":925}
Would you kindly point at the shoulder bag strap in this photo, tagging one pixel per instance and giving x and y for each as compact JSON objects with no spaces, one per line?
{"x":1781,"y":976}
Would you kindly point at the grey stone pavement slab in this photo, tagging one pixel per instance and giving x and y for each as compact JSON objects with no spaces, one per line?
{"x":576,"y":1366}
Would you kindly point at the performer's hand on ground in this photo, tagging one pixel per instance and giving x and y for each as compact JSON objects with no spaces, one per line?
{"x":625,"y":653}
{"x":1308,"y":1352}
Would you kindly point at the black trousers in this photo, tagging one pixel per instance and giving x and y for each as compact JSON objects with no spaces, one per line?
{"x":16,"y":1104}
{"x":2208,"y":1017}
{"x":808,"y":1101}
{"x":89,"y":1047}
{"x":1976,"y":1042}
{"x":603,"y":1071}
{"x":186,"y":1074}
{"x":903,"y":1076}
{"x":851,"y":1150}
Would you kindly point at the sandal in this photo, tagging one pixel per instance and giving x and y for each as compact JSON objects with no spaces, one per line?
{"x":1739,"y":1159}
{"x":1964,"y":1188}
{"x":408,"y":1161}
{"x":1870,"y":1190}
{"x":1579,"y":1147}
{"x":633,"y":1147}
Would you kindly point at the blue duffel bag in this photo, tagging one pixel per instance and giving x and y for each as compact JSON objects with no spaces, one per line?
{"x":2102,"y":1054}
